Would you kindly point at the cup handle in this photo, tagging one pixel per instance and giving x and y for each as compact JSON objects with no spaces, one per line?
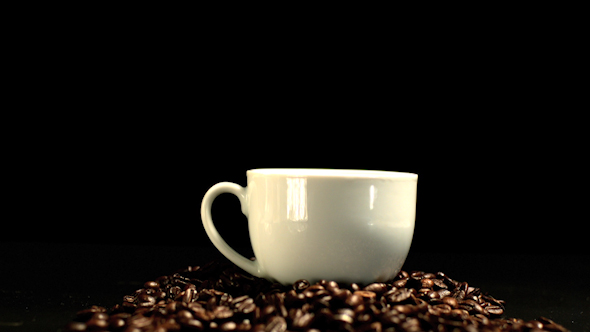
{"x":247,"y":265}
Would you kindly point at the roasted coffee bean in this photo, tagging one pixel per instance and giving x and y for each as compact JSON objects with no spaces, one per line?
{"x":468,"y":303}
{"x":411,"y":325}
{"x":100,"y":315}
{"x":392,"y":317}
{"x":315,"y":288}
{"x":151,"y":284}
{"x":331,"y":286}
{"x":320,"y":294}
{"x":354,"y":300}
{"x":146,"y":301}
{"x":494,"y":301}
{"x":75,"y":327}
{"x":302,"y":320}
{"x":366,"y":295}
{"x":160,"y":295}
{"x":267,"y":311}
{"x":364,"y":317}
{"x":451,"y":301}
{"x":459,"y":294}
{"x":373,"y":327}
{"x":246,"y":307}
{"x":204,"y":315}
{"x":348,"y":311}
{"x":341,"y":294}
{"x":97,"y":325}
{"x":377,"y":288}
{"x":244,"y":326}
{"x":225,"y":299}
{"x":300,"y":285}
{"x":433,"y":295}
{"x":494,"y":310}
{"x":116,"y":323}
{"x":343,"y":318}
{"x":222,"y":312}
{"x":427,"y":283}
{"x":276,"y":324}
{"x":193,"y":324}
{"x":170,"y":307}
{"x":405,"y":309}
{"x":440,"y":309}
{"x":211,"y":303}
{"x":443,"y":293}
{"x":228,"y":326}
{"x":194,"y":306}
{"x":439,"y":283}
{"x":400,"y":283}
{"x":189,"y":295}
{"x":460,"y":314}
{"x":399,"y":295}
{"x":175,"y":290}
{"x":239,"y":299}
{"x":472,"y":306}
{"x":184,"y":315}
{"x":417,"y":275}
{"x":482,"y":319}
{"x":139,"y":321}
{"x":221,"y":297}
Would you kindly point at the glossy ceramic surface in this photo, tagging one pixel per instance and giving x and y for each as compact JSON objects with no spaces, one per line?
{"x":344,"y":225}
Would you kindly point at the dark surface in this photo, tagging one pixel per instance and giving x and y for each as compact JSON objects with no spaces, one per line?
{"x":42,"y":285}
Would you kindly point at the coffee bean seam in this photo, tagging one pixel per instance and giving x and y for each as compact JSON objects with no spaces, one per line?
{"x":219,"y":296}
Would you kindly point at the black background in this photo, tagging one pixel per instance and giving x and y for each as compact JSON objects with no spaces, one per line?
{"x":113,"y":143}
{"x":479,"y":190}
{"x":115,"y":135}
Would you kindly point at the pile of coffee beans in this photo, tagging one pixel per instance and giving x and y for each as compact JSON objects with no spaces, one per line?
{"x":221,"y":297}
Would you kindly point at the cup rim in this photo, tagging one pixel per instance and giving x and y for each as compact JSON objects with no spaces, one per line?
{"x":329,"y":172}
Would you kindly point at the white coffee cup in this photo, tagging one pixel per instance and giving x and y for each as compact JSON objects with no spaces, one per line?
{"x":343,"y":225}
